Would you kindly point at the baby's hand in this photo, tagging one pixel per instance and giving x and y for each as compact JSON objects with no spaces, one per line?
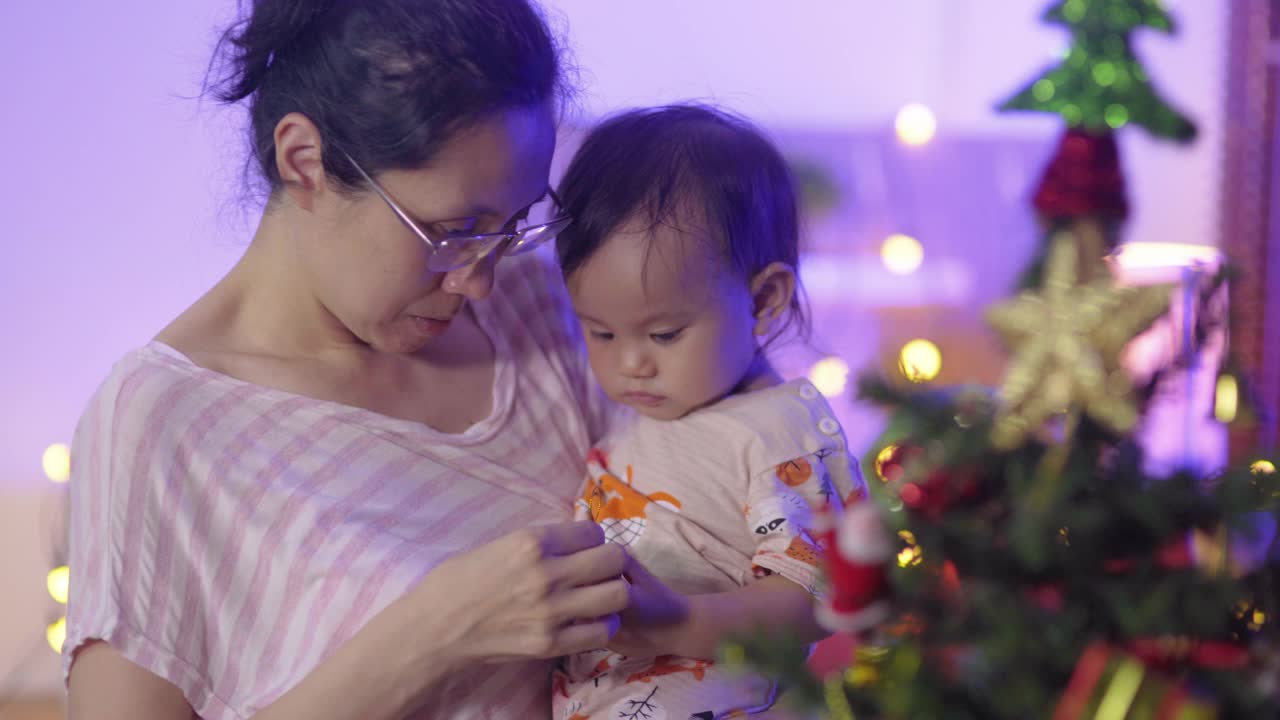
{"x":655,"y":614}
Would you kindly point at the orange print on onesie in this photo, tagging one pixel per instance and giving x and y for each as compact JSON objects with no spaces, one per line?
{"x":619,"y":508}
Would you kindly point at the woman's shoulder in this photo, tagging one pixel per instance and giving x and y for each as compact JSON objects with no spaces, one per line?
{"x":148,"y":390}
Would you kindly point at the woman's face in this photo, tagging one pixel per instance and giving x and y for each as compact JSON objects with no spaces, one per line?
{"x":369,"y":270}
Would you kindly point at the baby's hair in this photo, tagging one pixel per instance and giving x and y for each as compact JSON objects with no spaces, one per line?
{"x":675,"y":163}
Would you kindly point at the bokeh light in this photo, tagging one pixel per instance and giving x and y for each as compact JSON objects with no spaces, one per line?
{"x":902,"y":254}
{"x":1226,"y":399}
{"x":56,"y":633}
{"x":59,"y":583}
{"x":883,"y":458}
{"x":1263,"y":467}
{"x":915,"y":124}
{"x":57,"y":462}
{"x":830,"y":375}
{"x":911,"y":554}
{"x":920,"y":361}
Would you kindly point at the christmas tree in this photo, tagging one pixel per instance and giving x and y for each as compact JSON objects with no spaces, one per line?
{"x":1037,"y":571}
{"x":1014,"y":560}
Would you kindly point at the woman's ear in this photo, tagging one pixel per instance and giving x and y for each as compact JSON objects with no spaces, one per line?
{"x":771,"y":291}
{"x":299,"y":159}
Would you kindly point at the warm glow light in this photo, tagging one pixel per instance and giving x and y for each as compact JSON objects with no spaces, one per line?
{"x":57,"y":634}
{"x":915,"y":124}
{"x":1143,"y":255}
{"x":830,"y":375}
{"x":1263,"y":467}
{"x":902,"y":254}
{"x":911,"y":554}
{"x":884,"y":456}
{"x":920,"y":361}
{"x":57,"y":462}
{"x":59,"y":582}
{"x":1226,"y":399}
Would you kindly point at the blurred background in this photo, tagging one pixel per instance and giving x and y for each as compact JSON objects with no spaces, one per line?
{"x":122,"y":198}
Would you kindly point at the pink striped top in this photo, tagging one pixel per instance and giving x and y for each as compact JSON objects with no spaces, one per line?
{"x":227,"y":536}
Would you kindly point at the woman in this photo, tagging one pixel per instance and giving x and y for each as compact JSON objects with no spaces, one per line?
{"x":298,"y":501}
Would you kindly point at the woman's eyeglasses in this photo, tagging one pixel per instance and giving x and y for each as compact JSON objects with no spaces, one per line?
{"x":544,"y":221}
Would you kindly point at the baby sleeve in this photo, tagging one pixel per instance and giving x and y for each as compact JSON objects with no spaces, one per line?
{"x":780,"y":511}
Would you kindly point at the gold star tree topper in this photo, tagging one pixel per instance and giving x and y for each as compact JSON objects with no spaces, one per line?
{"x":1066,"y":340}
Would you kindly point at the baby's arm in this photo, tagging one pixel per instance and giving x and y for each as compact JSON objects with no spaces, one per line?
{"x":770,"y":603}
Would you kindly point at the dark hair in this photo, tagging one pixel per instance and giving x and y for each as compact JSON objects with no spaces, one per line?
{"x":387,"y":81}
{"x":669,"y":163}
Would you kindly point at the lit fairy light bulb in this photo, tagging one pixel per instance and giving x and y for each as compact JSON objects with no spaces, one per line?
{"x":887,"y":455}
{"x":915,"y":124}
{"x":1262,"y":467}
{"x":56,"y":634}
{"x":57,"y":462}
{"x":830,"y":375}
{"x":1226,"y":399}
{"x":911,"y":554}
{"x":59,"y":583}
{"x":920,"y":361}
{"x":901,"y":254}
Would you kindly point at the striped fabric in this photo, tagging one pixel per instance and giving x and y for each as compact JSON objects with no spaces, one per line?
{"x":227,"y":536}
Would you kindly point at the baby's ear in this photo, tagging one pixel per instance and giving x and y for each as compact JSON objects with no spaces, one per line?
{"x":771,"y":291}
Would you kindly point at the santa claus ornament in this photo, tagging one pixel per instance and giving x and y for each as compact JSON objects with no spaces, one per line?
{"x":857,"y":550}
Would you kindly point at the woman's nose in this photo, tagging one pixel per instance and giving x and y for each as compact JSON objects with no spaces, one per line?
{"x":474,"y":281}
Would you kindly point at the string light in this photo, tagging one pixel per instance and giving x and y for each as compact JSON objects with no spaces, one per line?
{"x":1226,"y":399}
{"x":911,"y":554}
{"x":57,"y":462}
{"x":56,"y":634}
{"x":915,"y":124}
{"x":830,"y":375}
{"x":902,"y":254}
{"x":883,"y":458}
{"x":920,"y":361}
{"x":59,"y":583}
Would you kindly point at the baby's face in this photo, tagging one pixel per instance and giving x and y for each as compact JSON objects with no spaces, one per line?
{"x":669,"y":328}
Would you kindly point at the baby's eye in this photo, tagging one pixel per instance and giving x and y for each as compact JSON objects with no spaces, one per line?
{"x":600,"y":335}
{"x":664,"y":338}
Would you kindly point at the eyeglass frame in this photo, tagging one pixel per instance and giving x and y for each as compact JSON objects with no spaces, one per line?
{"x":501,"y":241}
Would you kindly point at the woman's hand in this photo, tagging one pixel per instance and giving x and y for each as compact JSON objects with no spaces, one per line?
{"x":536,"y":593}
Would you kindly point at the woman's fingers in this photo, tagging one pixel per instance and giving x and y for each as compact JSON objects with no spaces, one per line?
{"x":570,"y":537}
{"x":587,"y":567}
{"x":592,"y":601}
{"x":581,"y":637}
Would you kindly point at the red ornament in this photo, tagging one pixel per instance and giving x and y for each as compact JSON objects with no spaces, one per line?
{"x":1173,"y":555}
{"x":857,"y":550}
{"x":941,"y":490}
{"x":1047,"y":596}
{"x":1083,"y":179}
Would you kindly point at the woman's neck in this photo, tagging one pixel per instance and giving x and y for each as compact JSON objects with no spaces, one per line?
{"x":264,"y":305}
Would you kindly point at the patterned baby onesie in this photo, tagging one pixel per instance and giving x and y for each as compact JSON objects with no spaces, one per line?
{"x":708,"y":503}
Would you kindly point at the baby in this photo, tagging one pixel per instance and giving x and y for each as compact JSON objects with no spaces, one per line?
{"x":681,"y":265}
